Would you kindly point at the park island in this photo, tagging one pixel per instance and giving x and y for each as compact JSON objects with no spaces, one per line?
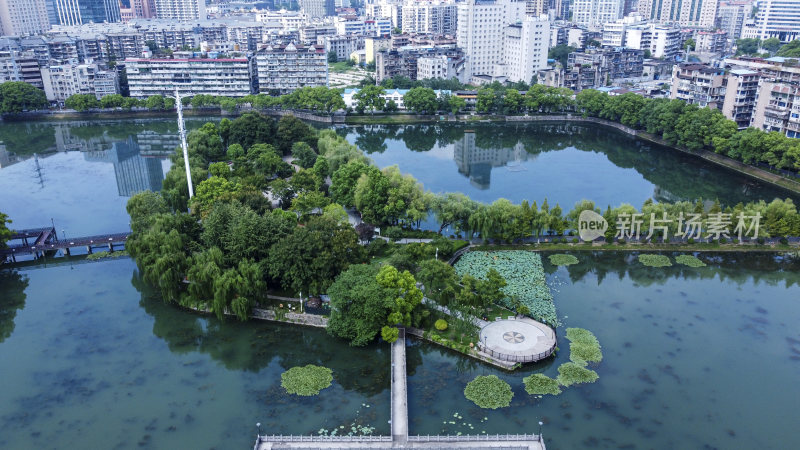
{"x":385,"y":285}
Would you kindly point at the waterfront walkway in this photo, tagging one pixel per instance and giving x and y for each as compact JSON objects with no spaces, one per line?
{"x":46,"y":240}
{"x":399,"y":426}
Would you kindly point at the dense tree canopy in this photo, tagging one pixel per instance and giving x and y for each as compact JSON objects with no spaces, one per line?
{"x":359,"y":305}
{"x":18,"y":96}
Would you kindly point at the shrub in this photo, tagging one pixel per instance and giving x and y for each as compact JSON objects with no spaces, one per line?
{"x":655,"y":260}
{"x":784,"y":241}
{"x":689,"y":260}
{"x":562,"y":260}
{"x":394,"y":233}
{"x":489,"y":392}
{"x":574,"y":240}
{"x":307,"y":380}
{"x":761,"y":240}
{"x":440,"y":324}
{"x":722,"y":240}
{"x":691,"y":240}
{"x":573,"y":373}
{"x":539,"y":384}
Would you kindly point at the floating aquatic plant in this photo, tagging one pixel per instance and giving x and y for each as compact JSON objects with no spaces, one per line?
{"x":689,"y":260}
{"x":573,"y":373}
{"x":655,"y":260}
{"x":540,"y":384}
{"x":562,"y":259}
{"x":584,"y":346}
{"x":489,"y":392}
{"x":524,"y":275}
{"x":307,"y":380}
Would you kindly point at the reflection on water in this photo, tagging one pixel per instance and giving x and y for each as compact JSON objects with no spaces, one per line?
{"x":81,"y":173}
{"x":565,"y":162}
{"x":693,"y":358}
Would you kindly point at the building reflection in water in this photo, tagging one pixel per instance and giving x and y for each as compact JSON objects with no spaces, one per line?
{"x":477,"y":163}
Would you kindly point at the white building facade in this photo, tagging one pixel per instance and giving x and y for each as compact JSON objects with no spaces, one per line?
{"x":594,"y":13}
{"x":700,"y":13}
{"x":221,"y":77}
{"x":775,"y":18}
{"x":23,"y":17}
{"x":481,"y":33}
{"x":286,"y":68}
{"x":430,"y":17}
{"x":181,"y":10}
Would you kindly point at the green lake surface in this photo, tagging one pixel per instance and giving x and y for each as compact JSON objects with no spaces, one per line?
{"x":693,"y":358}
{"x":92,"y":358}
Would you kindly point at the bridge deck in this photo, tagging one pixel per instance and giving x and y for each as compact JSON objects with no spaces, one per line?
{"x":399,"y":390}
{"x":498,"y":441}
{"x":87,"y":241}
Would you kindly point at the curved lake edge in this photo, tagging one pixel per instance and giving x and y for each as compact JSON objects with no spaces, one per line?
{"x":773,"y":179}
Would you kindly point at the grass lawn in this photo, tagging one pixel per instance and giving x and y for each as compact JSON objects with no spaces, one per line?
{"x":340,"y":67}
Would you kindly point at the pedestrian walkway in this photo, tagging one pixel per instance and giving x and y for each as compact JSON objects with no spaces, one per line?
{"x":399,"y":390}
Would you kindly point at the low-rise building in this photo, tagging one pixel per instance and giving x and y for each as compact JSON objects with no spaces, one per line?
{"x":595,"y":68}
{"x":229,"y":77}
{"x":343,"y":45}
{"x":441,"y":66}
{"x":19,"y":66}
{"x":282,"y":69}
{"x":405,"y":62}
{"x":699,"y":84}
{"x":711,"y":42}
{"x":65,"y":80}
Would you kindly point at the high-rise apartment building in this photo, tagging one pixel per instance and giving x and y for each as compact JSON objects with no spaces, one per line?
{"x":144,"y":9}
{"x":77,"y":12}
{"x":688,"y":13}
{"x":595,"y":13}
{"x":23,"y":17}
{"x":526,"y":45}
{"x":536,"y":8}
{"x":731,"y":16}
{"x":430,"y":16}
{"x":318,"y":8}
{"x":774,"y":18}
{"x":481,"y":33}
{"x":181,"y":10}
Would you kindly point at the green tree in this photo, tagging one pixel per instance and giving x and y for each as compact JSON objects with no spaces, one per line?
{"x":310,"y":258}
{"x":212,"y":190}
{"x":18,"y":96}
{"x":143,"y":207}
{"x":155,"y":102}
{"x":790,"y":50}
{"x":439,"y":280}
{"x":206,"y":142}
{"x":369,"y":98}
{"x":292,"y":130}
{"x":112,"y":101}
{"x":251,"y":128}
{"x":456,"y":104}
{"x":391,"y":106}
{"x":771,"y":45}
{"x":359,"y":305}
{"x":5,"y":232}
{"x":304,"y":155}
{"x":344,"y":181}
{"x":407,"y":296}
{"x":332,"y":57}
{"x":690,"y":44}
{"x":421,"y":100}
{"x":560,"y":53}
{"x":81,"y":102}
{"x":747,"y":46}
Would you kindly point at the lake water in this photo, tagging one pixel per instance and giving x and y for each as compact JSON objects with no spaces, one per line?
{"x":693,"y":358}
{"x":92,"y":358}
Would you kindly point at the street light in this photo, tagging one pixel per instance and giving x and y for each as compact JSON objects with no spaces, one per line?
{"x":258,"y":425}
{"x":540,"y":429}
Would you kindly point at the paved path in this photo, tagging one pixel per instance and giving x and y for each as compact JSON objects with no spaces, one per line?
{"x":399,"y":390}
{"x":518,"y":340}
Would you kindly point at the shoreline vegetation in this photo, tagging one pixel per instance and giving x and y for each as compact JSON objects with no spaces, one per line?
{"x":791,"y":185}
{"x":258,"y":223}
{"x":701,"y":131}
